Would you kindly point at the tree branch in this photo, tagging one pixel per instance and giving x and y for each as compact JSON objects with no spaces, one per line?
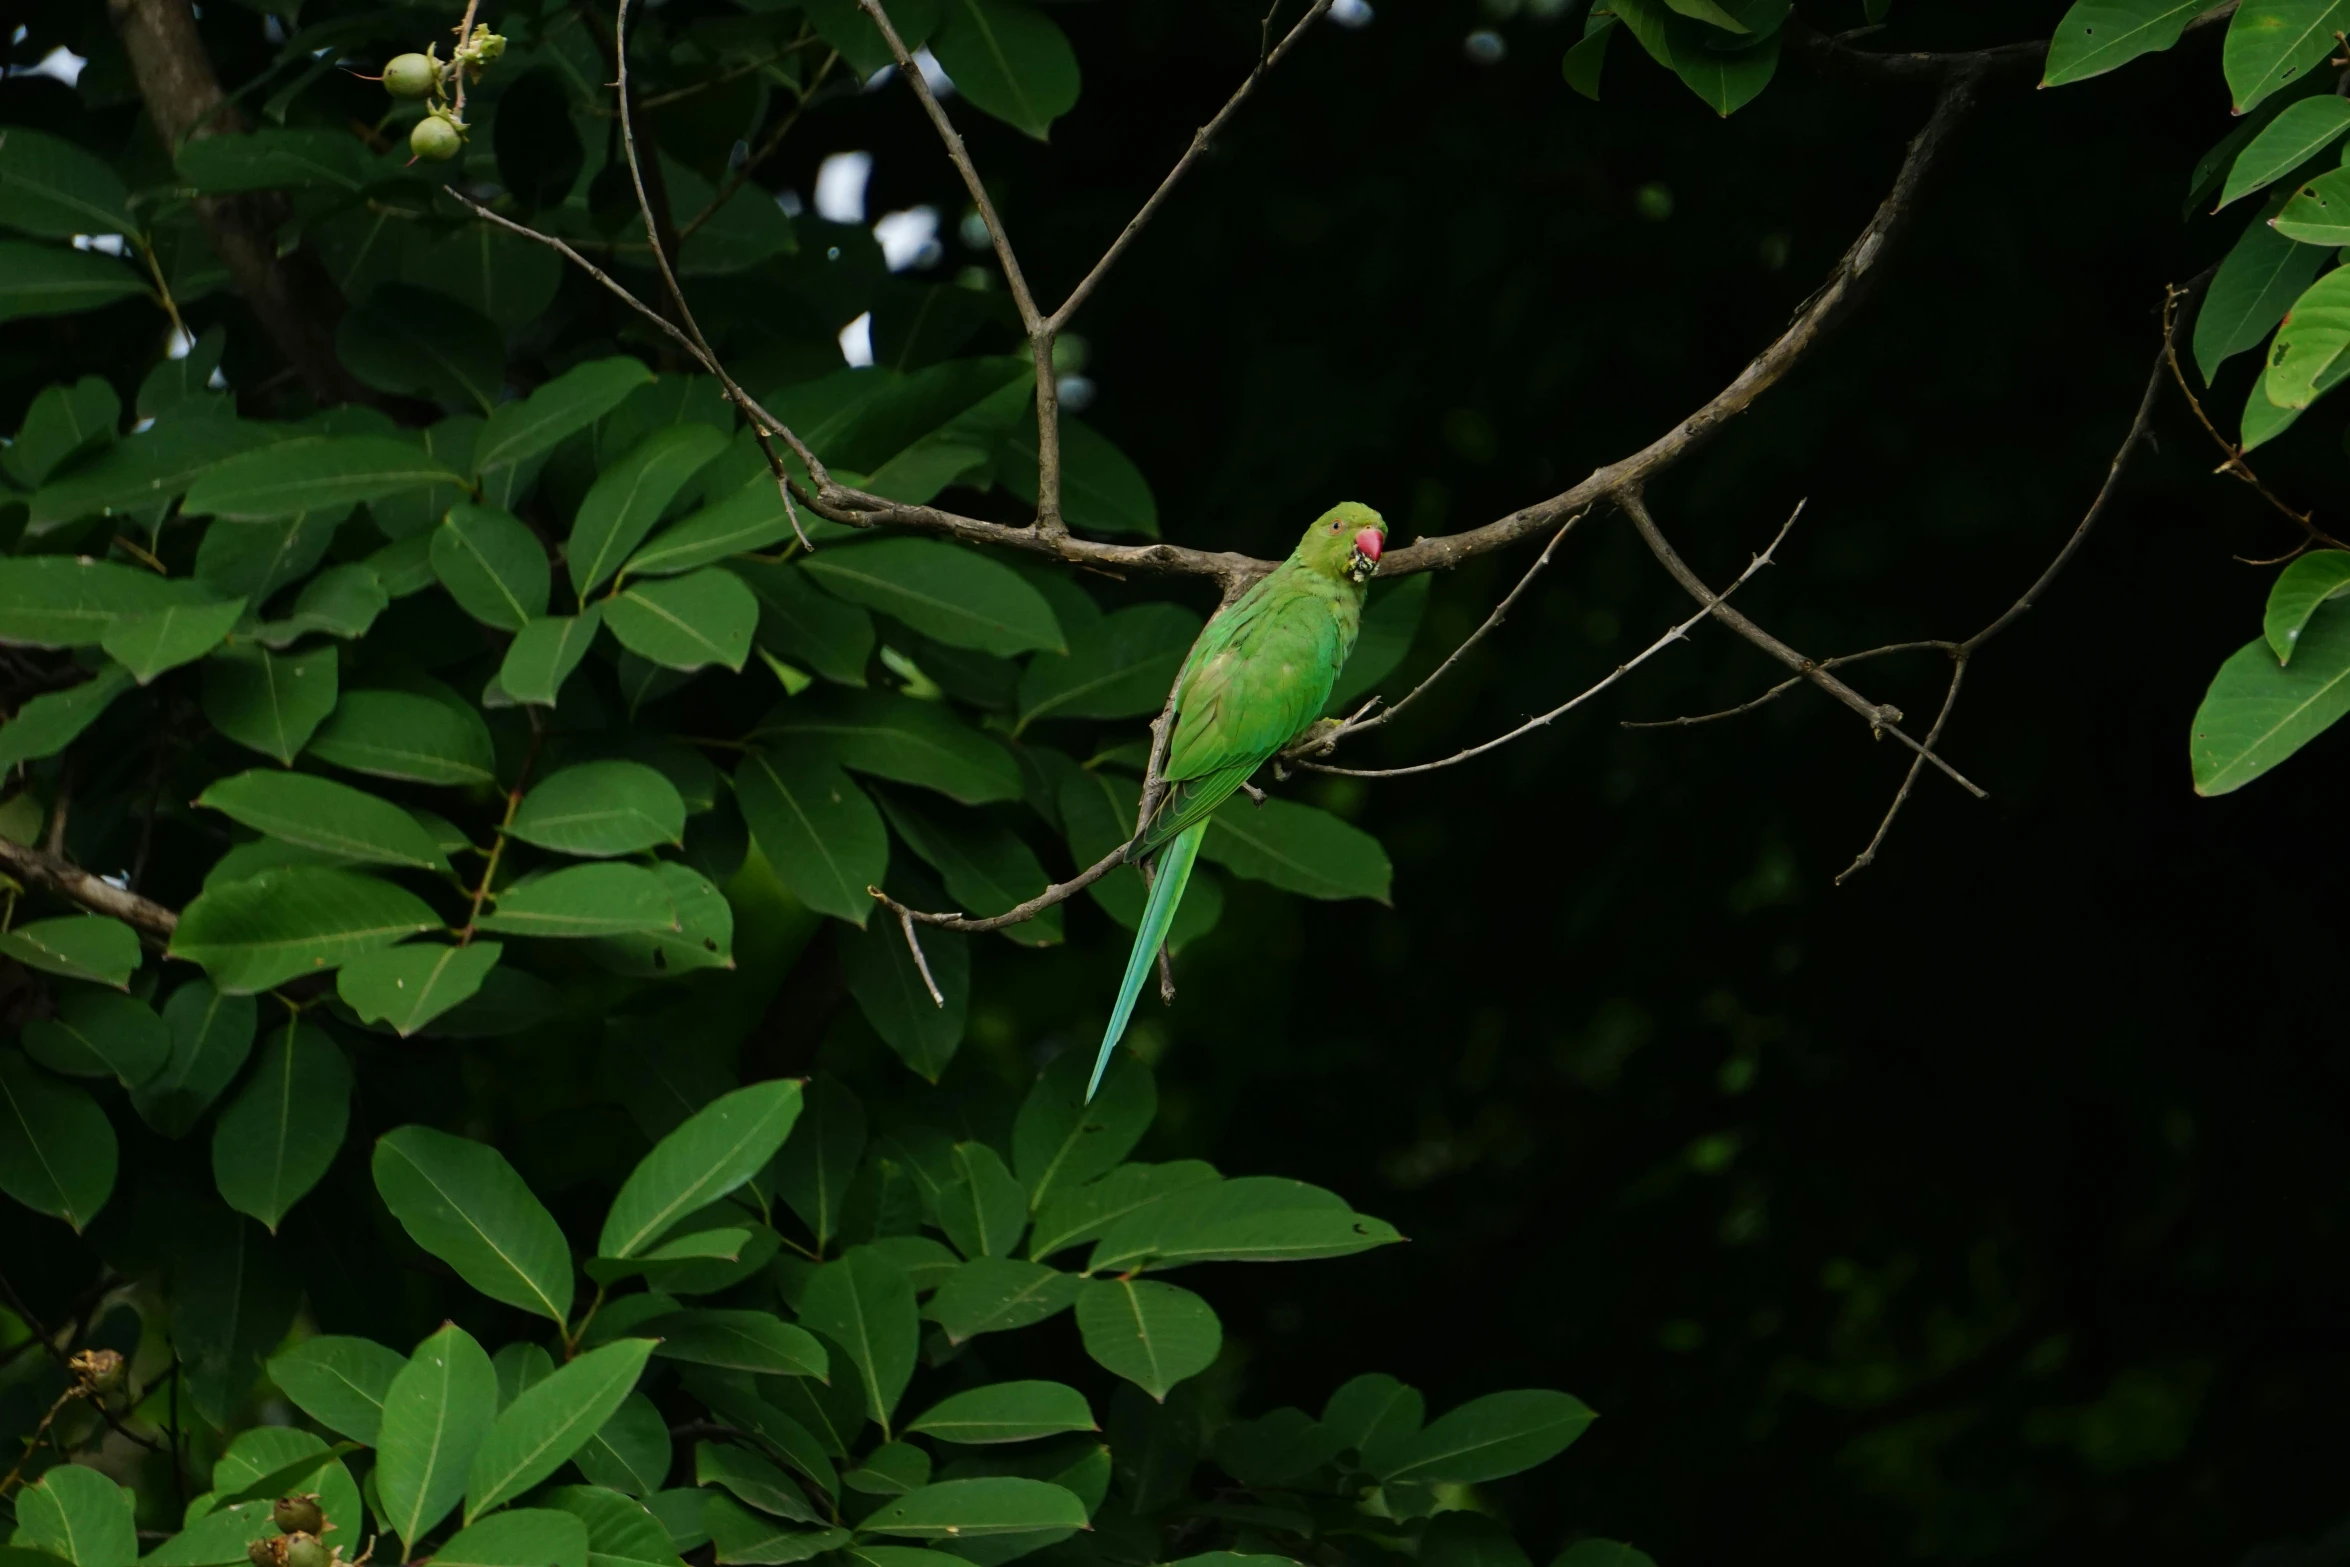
{"x":54,"y":873}
{"x":1836,"y":297}
{"x":1711,"y":604}
{"x":289,"y":294}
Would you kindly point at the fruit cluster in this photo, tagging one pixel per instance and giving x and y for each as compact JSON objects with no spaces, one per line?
{"x":440,"y":135}
{"x":297,"y":1543}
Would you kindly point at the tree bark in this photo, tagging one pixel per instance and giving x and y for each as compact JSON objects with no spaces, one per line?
{"x":294,"y":300}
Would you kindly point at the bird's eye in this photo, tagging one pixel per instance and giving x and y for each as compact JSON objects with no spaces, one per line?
{"x":1334,"y":527}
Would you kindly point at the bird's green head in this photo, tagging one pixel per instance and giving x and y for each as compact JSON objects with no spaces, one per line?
{"x":1345,"y":541}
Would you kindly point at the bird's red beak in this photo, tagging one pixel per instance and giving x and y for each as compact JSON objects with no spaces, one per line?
{"x":1368,"y":541}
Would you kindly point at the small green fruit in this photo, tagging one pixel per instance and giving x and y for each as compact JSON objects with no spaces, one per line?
{"x":298,"y":1515}
{"x":435,"y":140}
{"x":411,"y":76}
{"x":307,"y":1550}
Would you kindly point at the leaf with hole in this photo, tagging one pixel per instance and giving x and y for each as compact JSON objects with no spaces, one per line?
{"x":2272,"y":42}
{"x":2095,"y":36}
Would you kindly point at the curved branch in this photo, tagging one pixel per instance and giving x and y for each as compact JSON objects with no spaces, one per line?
{"x":55,"y":873}
{"x":1843,"y":289}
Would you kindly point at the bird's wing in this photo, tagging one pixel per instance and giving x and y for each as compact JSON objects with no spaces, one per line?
{"x":1251,"y":687}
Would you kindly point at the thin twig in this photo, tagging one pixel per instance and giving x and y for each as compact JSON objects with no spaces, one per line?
{"x":1712,"y":604}
{"x":1787,"y":685}
{"x":1354,"y":726}
{"x":2235,"y":463}
{"x":921,"y":963}
{"x":1191,"y":155}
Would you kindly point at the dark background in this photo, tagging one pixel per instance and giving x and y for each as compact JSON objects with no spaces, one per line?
{"x":1987,"y":1207}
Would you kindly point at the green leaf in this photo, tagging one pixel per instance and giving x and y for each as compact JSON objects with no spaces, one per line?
{"x":1281,"y":1447}
{"x":45,"y":280}
{"x":264,"y":1463}
{"x":2306,"y":582}
{"x":1005,"y":1412}
{"x":976,"y":1509}
{"x":813,"y":1172}
{"x":343,"y":601}
{"x":2272,"y":42}
{"x":544,"y":653}
{"x":233,"y":1299}
{"x":1602,"y":1553}
{"x":523,"y":1537}
{"x":984,"y":1209}
{"x":601,"y":808}
{"x":313,"y":473}
{"x":57,"y":1149}
{"x":1583,"y":60}
{"x":53,"y":188}
{"x":79,"y":946}
{"x":333,"y":818}
{"x":492,"y":566}
{"x":996,"y":1294}
{"x":78,"y":1514}
{"x":703,"y":936}
{"x":1154,"y":1335}
{"x":2095,"y":36}
{"x":865,"y":1304}
{"x":621,"y":1531}
{"x":436,"y":1413}
{"x":47,"y":724}
{"x":541,"y":1430}
{"x":1010,"y":60}
{"x":2302,"y":131}
{"x":948,"y":592}
{"x":753,"y":1479}
{"x":166,"y":638}
{"x":2257,"y":281}
{"x":2318,"y":213}
{"x":988,"y":868}
{"x":2258,"y":711}
{"x":630,"y":1452}
{"x":339,"y":1382}
{"x":1488,"y":1438}
{"x":408,"y":736}
{"x":752,"y":518}
{"x":270,"y":702}
{"x":725,"y":1245}
{"x":521,"y":1367}
{"x":629,"y":497}
{"x":143,"y":470}
{"x":278,"y":1136}
{"x":509,"y":279}
{"x":1060,"y":1142}
{"x":73,"y":601}
{"x":733,"y":1398}
{"x":1298,"y":849}
{"x":1088,"y":1212}
{"x":889,"y":989}
{"x":1258,"y":1218}
{"x":800,"y":622}
{"x":1102,"y":491}
{"x":64,"y":423}
{"x":686,"y":622}
{"x":843,"y":25}
{"x":238,"y":555}
{"x":461,"y":1201}
{"x":744,"y":1538}
{"x":719,"y":1147}
{"x":211,"y":1035}
{"x":96,"y":1033}
{"x":417,"y":342}
{"x":2263,"y":421}
{"x":817,"y":829}
{"x":521,"y":430}
{"x":754,"y":1341}
{"x":265,"y":159}
{"x":583,"y":900}
{"x":2312,"y":349}
{"x":1122,"y":666}
{"x":1373,"y":1413}
{"x":899,"y":738}
{"x":302,"y":919}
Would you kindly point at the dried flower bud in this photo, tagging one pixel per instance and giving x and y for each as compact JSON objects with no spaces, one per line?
{"x":270,"y":1552}
{"x":101,"y":1371}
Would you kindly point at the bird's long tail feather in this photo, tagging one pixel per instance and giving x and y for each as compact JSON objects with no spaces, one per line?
{"x":1158,"y":916}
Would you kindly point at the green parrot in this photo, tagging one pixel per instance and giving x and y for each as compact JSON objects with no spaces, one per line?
{"x":1258,"y":677}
